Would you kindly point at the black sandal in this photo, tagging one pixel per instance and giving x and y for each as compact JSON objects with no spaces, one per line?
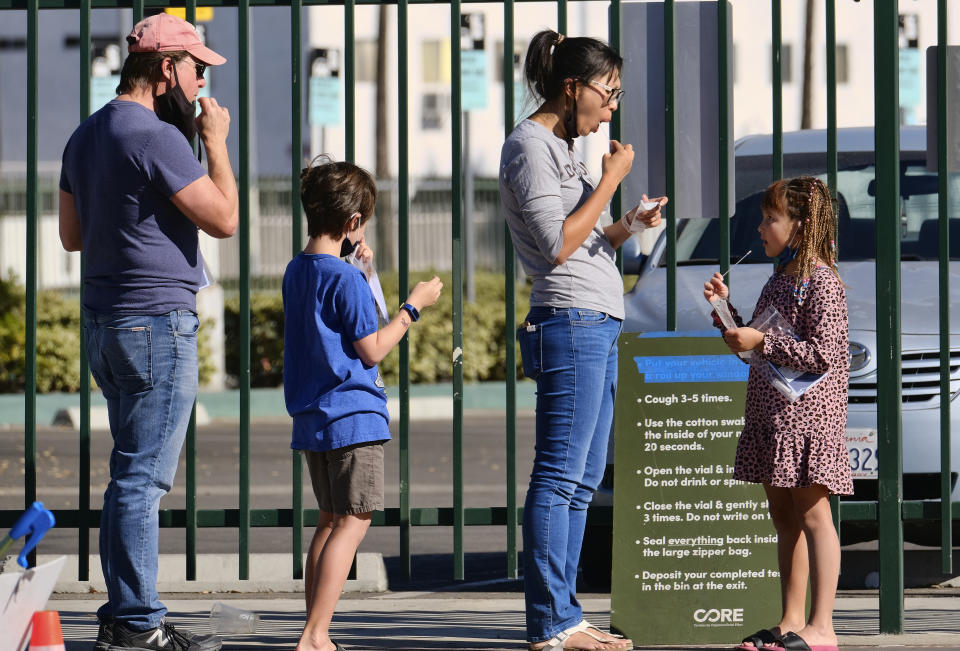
{"x":756,"y":641}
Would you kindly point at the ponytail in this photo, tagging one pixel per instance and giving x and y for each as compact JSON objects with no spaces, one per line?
{"x":552,"y":58}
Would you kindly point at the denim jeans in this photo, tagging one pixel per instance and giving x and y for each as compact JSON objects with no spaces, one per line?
{"x":146,"y":367}
{"x":573,"y":355}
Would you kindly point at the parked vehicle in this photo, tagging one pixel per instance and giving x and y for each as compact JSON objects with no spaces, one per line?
{"x":697,"y":259}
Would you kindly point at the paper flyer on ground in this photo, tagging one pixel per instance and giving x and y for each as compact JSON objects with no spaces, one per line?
{"x":694,"y":551}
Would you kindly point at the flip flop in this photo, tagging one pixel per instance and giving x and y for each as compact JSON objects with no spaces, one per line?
{"x":793,"y":642}
{"x":588,"y":625}
{"x":759,"y":640}
{"x":556,"y":643}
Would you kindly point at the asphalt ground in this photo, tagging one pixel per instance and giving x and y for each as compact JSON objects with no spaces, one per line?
{"x":416,"y":621}
{"x":218,"y":467}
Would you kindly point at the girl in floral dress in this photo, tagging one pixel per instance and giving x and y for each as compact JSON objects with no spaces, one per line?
{"x":796,"y":450}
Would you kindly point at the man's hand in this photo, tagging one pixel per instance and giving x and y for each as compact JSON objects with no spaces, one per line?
{"x":213,"y":123}
{"x":742,"y":339}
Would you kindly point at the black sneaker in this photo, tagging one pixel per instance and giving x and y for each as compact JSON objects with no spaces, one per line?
{"x":163,"y":638}
{"x":104,"y":637}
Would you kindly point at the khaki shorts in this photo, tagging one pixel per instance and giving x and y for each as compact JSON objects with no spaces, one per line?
{"x":348,"y":480}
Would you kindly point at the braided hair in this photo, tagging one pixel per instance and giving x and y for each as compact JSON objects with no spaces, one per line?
{"x":806,"y":199}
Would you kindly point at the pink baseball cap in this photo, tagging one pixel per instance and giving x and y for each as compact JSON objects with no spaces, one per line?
{"x":166,"y":33}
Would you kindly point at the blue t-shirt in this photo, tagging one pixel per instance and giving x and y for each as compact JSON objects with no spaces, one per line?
{"x":334,"y":399}
{"x":122,"y":165}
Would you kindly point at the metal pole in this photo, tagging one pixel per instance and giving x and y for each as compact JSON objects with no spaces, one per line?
{"x":886,"y":84}
{"x":457,"y":267}
{"x":943,"y":205}
{"x":510,"y":318}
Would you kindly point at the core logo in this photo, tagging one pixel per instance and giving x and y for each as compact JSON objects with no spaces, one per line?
{"x":718,"y":616}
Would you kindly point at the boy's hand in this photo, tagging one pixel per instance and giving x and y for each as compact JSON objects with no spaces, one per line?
{"x":425,"y":294}
{"x":742,"y":339}
{"x":363,"y":253}
{"x":714,"y":289}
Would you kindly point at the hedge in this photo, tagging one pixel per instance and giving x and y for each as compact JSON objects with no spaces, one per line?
{"x":431,"y":354}
{"x":58,"y":341}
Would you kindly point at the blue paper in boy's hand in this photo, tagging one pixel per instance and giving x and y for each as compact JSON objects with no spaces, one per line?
{"x":35,"y":521}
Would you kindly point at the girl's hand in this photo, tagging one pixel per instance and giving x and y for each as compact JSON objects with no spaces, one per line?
{"x":425,"y":294}
{"x":714,"y":289}
{"x":743,"y":339}
{"x":618,"y":162}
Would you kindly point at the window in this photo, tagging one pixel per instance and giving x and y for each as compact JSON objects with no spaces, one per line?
{"x":436,"y":61}
{"x":786,"y":60}
{"x":366,"y":59}
{"x":843,"y":64}
{"x":434,"y":109}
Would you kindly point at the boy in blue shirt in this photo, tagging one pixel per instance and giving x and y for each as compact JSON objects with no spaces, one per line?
{"x":331,"y":384}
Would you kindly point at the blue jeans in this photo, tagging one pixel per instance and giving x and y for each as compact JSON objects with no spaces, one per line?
{"x":572,"y":354}
{"x":146,"y":367}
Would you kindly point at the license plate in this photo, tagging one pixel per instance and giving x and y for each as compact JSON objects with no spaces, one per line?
{"x":862,"y":445}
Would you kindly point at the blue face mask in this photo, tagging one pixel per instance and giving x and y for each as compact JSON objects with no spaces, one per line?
{"x":789,"y":253}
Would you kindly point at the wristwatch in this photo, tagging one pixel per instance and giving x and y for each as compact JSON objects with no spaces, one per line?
{"x":414,"y":312}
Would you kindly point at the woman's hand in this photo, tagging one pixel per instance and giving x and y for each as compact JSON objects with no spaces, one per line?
{"x":616,"y":165}
{"x":714,"y":289}
{"x":742,"y":339}
{"x":638,"y":219}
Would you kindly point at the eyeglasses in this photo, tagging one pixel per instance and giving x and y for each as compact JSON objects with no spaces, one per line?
{"x":201,"y":68}
{"x":613,"y":94}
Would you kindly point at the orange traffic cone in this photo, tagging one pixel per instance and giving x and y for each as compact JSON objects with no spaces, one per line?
{"x":46,"y":635}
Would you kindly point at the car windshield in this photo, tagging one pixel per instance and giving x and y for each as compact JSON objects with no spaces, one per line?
{"x":698,"y":239}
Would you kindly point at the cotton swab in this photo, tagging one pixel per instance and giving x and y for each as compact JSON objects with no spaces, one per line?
{"x":724,"y":275}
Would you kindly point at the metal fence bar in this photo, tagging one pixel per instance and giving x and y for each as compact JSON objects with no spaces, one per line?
{"x":510,"y":300}
{"x":243,"y":37}
{"x":190,"y":530}
{"x":831,"y":38}
{"x":723,"y":131}
{"x":456,"y":186}
{"x":616,"y":121}
{"x":296,"y":245}
{"x":562,"y":16}
{"x":403,"y":281}
{"x":33,"y":219}
{"x":349,"y":79}
{"x":670,"y":153}
{"x":83,"y":470}
{"x":943,"y":209}
{"x":890,"y":452}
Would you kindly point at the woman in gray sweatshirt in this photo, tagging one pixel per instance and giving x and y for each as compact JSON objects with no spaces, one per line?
{"x":567,"y":244}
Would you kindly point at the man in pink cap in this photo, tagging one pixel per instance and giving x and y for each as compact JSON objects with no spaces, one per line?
{"x":133,"y":196}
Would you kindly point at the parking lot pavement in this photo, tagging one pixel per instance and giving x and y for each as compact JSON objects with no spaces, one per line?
{"x":427,"y":621}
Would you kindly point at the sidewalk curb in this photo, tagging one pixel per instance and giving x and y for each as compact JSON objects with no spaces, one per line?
{"x":269,"y":573}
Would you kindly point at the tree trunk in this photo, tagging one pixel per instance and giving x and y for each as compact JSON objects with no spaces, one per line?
{"x":806,"y":118}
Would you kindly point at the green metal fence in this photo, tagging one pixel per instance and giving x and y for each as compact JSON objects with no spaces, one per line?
{"x":890,"y":511}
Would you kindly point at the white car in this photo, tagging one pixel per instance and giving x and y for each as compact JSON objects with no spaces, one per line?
{"x":697,"y":256}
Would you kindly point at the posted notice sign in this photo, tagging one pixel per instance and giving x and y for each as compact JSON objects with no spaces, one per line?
{"x":694,"y":551}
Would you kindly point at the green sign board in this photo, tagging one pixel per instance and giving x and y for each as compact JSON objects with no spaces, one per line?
{"x":694,"y":551}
